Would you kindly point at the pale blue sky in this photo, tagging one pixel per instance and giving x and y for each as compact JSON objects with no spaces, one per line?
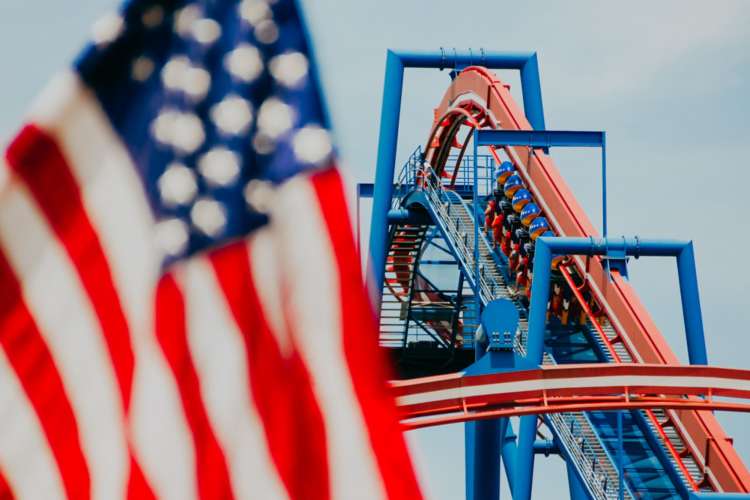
{"x":668,"y":81}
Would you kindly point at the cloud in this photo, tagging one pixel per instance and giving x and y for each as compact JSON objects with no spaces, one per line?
{"x":650,"y":38}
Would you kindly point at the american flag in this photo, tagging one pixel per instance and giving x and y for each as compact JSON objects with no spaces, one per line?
{"x":182,"y":313}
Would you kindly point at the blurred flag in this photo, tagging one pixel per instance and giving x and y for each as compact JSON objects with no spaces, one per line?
{"x":181,"y":309}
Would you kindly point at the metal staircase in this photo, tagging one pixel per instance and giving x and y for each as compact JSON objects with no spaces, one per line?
{"x":658,"y":461}
{"x":575,"y":431}
{"x":657,"y":422}
{"x":398,"y":286}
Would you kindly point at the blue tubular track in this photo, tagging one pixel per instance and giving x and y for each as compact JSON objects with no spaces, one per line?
{"x":435,"y":271}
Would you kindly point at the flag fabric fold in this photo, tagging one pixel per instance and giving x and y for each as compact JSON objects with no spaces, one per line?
{"x":181,"y":309}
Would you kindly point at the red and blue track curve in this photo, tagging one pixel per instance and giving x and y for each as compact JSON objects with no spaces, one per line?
{"x":445,"y":399}
{"x":476,"y":99}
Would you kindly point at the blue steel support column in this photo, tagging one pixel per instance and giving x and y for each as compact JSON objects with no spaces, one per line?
{"x":604,"y":184}
{"x":509,"y":451}
{"x":390,"y":112}
{"x":534,"y":351}
{"x":525,"y":458}
{"x":620,"y":459}
{"x":475,"y":207}
{"x":691,"y":306}
{"x":470,"y":430}
{"x":509,"y":454}
{"x":532,"y":96}
{"x":389,"y":120}
{"x":481,"y":442}
{"x":483,"y":461}
{"x":682,"y":250}
{"x":545,"y":248}
{"x":538,"y":305}
{"x":577,"y":490}
{"x":484,"y":439}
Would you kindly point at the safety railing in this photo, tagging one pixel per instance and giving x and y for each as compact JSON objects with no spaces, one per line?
{"x":443,"y":200}
{"x":457,"y":220}
{"x":601,"y":476}
{"x":486,"y":164}
{"x":407,"y":176}
{"x":572,"y":429}
{"x":465,"y":175}
{"x":611,"y":355}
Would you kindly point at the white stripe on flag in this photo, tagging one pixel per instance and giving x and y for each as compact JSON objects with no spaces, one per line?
{"x":218,"y":351}
{"x":160,"y":435}
{"x":58,"y":303}
{"x":266,"y":275}
{"x":310,"y":275}
{"x":4,"y":175}
{"x":25,"y":455}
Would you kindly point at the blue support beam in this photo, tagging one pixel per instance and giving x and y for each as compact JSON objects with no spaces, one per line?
{"x":541,"y":138}
{"x":552,"y":138}
{"x":383,"y":189}
{"x":365,"y":190}
{"x":691,"y":306}
{"x":493,"y":350}
{"x":483,"y":459}
{"x":396,"y":63}
{"x":525,"y":62}
{"x":577,"y":490}
{"x":475,"y":209}
{"x":525,"y":457}
{"x":546,"y":247}
{"x":620,"y":459}
{"x":509,"y":449}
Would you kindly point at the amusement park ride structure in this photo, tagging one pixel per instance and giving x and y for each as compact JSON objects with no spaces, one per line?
{"x":472,"y":343}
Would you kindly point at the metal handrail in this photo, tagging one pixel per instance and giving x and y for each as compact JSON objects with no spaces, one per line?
{"x":407,"y":174}
{"x":602,"y":485}
{"x":439,"y":197}
{"x":583,"y":454}
{"x":611,"y":355}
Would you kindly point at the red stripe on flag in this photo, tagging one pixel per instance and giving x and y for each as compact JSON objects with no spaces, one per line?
{"x":36,"y":158}
{"x":171,"y":331}
{"x":138,"y":487}
{"x":33,"y":363}
{"x":5,"y":492}
{"x":280,"y":387}
{"x":366,"y":362}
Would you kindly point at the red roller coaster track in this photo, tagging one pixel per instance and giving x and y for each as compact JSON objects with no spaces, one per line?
{"x":477,"y":99}
{"x":456,"y":398}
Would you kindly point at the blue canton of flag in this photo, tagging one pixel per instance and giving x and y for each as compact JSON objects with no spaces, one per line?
{"x":214,"y":100}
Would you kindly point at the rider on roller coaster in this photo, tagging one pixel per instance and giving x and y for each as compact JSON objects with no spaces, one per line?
{"x":489,"y":215}
{"x":504,"y":240}
{"x":502,"y":172}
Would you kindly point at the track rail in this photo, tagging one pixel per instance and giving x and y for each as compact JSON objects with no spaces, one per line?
{"x":439,"y":400}
{"x":485,"y":102}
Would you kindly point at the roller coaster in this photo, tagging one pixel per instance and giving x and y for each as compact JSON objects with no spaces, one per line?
{"x":534,"y":317}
